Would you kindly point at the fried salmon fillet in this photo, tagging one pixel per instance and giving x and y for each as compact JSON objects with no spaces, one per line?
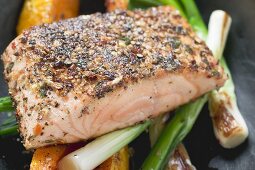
{"x":80,"y":78}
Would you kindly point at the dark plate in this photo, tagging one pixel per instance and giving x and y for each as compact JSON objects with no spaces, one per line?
{"x":203,"y":148}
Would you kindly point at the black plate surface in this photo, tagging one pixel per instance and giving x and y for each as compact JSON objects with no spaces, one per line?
{"x":204,"y":149}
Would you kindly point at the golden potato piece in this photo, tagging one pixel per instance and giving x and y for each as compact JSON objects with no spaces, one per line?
{"x":47,"y":157}
{"x":36,"y":12}
{"x":116,"y":4}
{"x":119,"y":161}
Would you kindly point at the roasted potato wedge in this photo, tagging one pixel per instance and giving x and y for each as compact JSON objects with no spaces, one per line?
{"x":36,"y":12}
{"x":116,"y":4}
{"x":119,"y":161}
{"x":47,"y":157}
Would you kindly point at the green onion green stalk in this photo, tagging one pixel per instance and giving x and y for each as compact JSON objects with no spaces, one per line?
{"x":173,"y":134}
{"x":6,"y":104}
{"x":9,"y":125}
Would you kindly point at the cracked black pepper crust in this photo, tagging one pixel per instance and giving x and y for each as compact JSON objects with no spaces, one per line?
{"x":93,"y":54}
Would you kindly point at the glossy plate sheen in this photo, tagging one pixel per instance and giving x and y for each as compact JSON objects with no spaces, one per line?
{"x":204,"y":149}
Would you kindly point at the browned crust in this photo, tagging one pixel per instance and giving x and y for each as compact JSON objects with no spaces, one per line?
{"x":97,"y":53}
{"x":90,"y":56}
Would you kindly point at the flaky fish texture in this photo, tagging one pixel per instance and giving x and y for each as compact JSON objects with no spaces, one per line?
{"x":80,"y":78}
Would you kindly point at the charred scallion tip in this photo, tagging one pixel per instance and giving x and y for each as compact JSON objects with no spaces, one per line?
{"x":180,"y":159}
{"x":229,"y":126}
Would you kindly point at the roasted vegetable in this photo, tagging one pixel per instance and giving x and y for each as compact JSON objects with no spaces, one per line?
{"x":96,"y":152}
{"x":174,"y":132}
{"x":6,"y":104}
{"x":118,"y":161}
{"x":229,"y":126}
{"x":47,"y":158}
{"x":180,"y":160}
{"x":36,"y":12}
{"x":111,"y":5}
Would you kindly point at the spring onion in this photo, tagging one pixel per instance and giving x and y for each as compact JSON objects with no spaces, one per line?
{"x":174,"y":132}
{"x":225,"y":97}
{"x":179,"y":158}
{"x":97,"y":151}
{"x":194,"y":18}
{"x":229,"y":126}
{"x":133,"y":4}
{"x":6,"y":104}
{"x":9,"y":126}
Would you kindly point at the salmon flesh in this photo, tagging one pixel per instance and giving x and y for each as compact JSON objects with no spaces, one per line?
{"x":80,"y":78}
